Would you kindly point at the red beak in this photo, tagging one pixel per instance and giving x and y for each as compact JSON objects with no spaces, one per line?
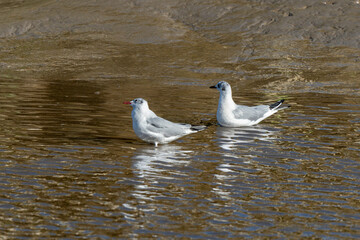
{"x":126,"y":102}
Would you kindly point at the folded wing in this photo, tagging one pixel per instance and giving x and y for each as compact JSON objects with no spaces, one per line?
{"x":250,"y":113}
{"x":167,"y":128}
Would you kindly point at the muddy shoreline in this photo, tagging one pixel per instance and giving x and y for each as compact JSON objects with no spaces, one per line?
{"x":328,"y":23}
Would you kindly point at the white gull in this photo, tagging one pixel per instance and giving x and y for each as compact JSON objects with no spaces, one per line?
{"x":153,"y":129}
{"x":229,"y":114}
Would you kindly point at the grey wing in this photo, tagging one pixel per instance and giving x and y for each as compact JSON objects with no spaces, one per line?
{"x":251,"y":113}
{"x":163,"y":126}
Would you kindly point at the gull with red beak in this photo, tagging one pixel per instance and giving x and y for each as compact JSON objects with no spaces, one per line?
{"x":153,"y":129}
{"x":229,"y":114}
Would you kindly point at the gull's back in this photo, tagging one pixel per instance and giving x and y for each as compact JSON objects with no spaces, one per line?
{"x":168,"y":129}
{"x":250,"y":113}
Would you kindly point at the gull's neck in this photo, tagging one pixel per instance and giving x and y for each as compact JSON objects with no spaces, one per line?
{"x":226,"y":100}
{"x":140,"y":114}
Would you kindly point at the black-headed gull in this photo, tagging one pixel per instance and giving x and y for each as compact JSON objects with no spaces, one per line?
{"x":153,"y":129}
{"x":229,"y":114}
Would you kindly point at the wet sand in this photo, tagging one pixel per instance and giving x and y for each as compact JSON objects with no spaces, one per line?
{"x":329,"y":23}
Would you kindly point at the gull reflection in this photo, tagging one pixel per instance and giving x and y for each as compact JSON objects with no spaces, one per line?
{"x":235,"y":142}
{"x":230,"y":138}
{"x":158,"y":165}
{"x":155,"y":169}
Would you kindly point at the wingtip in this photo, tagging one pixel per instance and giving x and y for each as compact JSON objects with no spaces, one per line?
{"x":198,"y":128}
{"x":284,"y":106}
{"x":276,"y":104}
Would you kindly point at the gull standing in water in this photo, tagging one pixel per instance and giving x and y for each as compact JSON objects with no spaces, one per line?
{"x":153,"y":129}
{"x":229,"y":114}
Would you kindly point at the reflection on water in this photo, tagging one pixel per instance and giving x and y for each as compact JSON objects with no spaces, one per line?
{"x":150,"y":161}
{"x":233,"y":141}
{"x":154,"y":165}
{"x":230,"y":138}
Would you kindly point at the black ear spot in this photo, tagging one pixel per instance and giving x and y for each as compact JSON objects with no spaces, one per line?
{"x":223,"y":88}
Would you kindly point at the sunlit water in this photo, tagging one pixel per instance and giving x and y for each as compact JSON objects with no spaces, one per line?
{"x":71,"y":166}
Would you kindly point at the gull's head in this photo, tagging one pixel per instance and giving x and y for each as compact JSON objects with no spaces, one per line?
{"x":138,"y":103}
{"x":223,"y":87}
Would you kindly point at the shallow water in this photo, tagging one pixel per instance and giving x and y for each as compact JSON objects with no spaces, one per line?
{"x":71,"y":166}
